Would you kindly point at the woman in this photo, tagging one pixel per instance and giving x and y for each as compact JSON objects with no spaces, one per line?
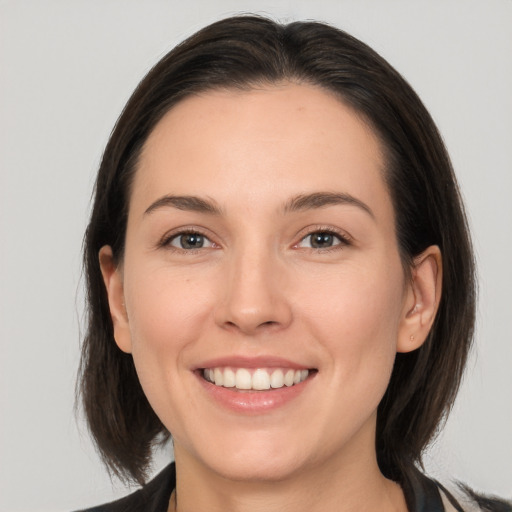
{"x":280,"y":276}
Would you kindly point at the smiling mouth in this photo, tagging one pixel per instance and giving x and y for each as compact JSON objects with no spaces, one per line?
{"x":259,"y":379}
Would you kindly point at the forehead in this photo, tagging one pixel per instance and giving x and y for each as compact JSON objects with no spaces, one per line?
{"x":291,"y":138}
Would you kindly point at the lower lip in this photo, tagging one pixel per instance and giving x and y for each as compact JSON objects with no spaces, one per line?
{"x":254,"y":402}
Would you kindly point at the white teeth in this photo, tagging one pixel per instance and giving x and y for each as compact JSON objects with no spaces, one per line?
{"x":219,"y":377}
{"x":229,"y":378}
{"x":243,"y":379}
{"x":277,"y":379}
{"x":259,"y":379}
{"x":288,"y":378}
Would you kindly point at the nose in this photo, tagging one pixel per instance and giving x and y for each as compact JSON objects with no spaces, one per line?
{"x":255,"y":298}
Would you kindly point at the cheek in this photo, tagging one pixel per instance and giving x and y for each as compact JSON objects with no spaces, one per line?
{"x":165,"y":307}
{"x":167,"y":314}
{"x":356,"y":317}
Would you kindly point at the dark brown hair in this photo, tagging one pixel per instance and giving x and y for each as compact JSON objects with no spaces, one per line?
{"x":244,"y":52}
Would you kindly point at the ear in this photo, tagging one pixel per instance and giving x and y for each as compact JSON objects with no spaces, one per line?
{"x":113,"y":279}
{"x":422,"y":299}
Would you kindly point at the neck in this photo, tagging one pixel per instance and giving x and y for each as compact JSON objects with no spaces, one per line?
{"x":347,"y":485}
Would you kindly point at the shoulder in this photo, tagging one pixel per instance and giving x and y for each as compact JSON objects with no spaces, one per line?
{"x":472,"y":501}
{"x":153,"y":497}
{"x":464,"y":499}
{"x":424,"y":494}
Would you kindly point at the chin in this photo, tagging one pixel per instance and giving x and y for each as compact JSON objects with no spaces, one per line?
{"x":258,"y":469}
{"x":252,"y":460}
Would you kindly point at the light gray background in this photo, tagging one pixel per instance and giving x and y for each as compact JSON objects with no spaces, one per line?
{"x":66,"y":70}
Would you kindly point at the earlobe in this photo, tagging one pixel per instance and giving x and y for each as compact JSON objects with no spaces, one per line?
{"x":112,"y":278}
{"x":422,"y":300}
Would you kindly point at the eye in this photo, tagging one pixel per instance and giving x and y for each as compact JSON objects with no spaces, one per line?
{"x":322,"y":240}
{"x":189,"y":241}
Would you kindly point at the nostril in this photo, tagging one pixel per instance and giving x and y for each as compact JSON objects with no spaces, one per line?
{"x":269,"y":324}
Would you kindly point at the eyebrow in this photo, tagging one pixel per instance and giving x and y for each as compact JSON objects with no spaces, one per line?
{"x":322,"y":199}
{"x":298,"y":203}
{"x":187,"y":203}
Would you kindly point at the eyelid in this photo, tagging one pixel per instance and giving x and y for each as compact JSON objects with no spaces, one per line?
{"x":345,"y":238}
{"x":168,"y":237}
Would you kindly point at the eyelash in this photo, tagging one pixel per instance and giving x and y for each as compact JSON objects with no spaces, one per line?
{"x":343,"y":240}
{"x":168,"y":239}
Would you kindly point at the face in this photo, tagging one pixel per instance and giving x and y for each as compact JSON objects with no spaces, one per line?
{"x":262,"y":293}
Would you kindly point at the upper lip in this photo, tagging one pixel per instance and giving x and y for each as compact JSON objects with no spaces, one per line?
{"x":252,"y":362}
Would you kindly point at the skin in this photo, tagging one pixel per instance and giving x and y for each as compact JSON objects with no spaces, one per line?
{"x":258,"y":287}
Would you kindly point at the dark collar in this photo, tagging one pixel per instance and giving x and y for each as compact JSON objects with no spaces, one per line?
{"x":153,"y":497}
{"x":422,"y":494}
